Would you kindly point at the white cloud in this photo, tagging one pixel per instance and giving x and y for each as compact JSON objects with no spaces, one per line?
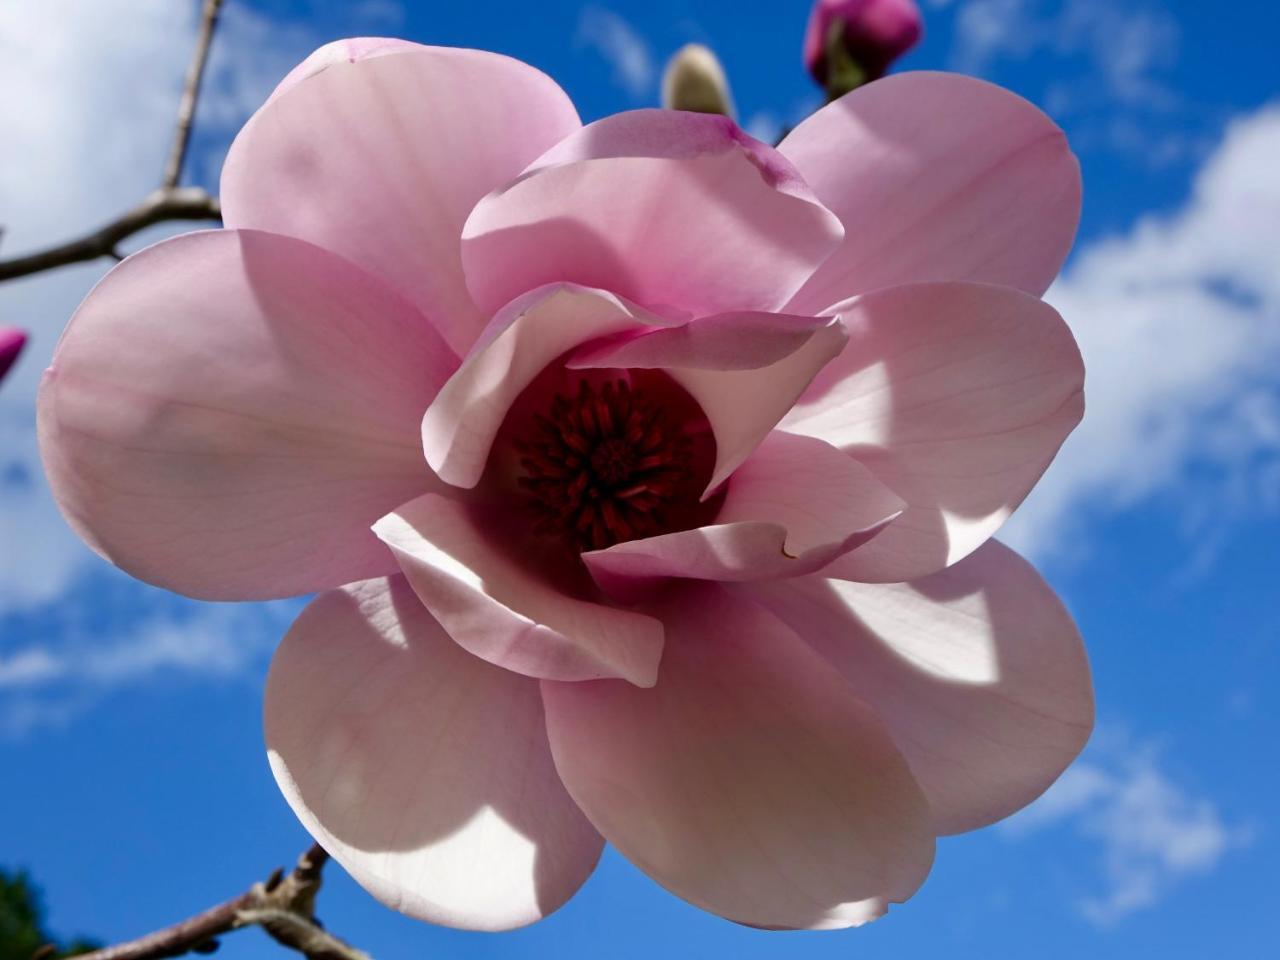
{"x":1179,"y":323}
{"x":764,"y":125}
{"x":386,"y":14}
{"x":97,"y":88}
{"x":625,"y":50}
{"x":1123,"y":46}
{"x":92,"y":92}
{"x":985,"y":30}
{"x":1153,"y":832}
{"x":1109,"y":62}
{"x":72,"y":667}
{"x":29,"y":667}
{"x":91,"y":95}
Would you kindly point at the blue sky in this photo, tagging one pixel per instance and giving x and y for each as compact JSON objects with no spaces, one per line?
{"x":134,"y":780}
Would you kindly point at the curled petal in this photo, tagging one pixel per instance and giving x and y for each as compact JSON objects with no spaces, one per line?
{"x":459,"y":428}
{"x":503,"y":610}
{"x":424,"y":771}
{"x":792,"y":507}
{"x":745,"y":370}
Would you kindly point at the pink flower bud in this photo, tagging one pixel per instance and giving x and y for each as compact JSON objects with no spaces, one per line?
{"x":12,"y":340}
{"x":876,"y":32}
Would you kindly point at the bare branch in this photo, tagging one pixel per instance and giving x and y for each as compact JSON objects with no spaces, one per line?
{"x":284,"y":907}
{"x":191,"y":94}
{"x":180,"y":938}
{"x":170,"y":203}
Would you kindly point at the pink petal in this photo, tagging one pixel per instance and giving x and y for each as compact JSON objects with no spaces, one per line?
{"x":748,"y":781}
{"x":349,"y":50}
{"x":665,"y":208}
{"x":504,"y":608}
{"x":745,"y":370}
{"x":726,"y":341}
{"x":424,"y":771}
{"x":978,"y":672}
{"x":937,"y":177}
{"x":956,"y":396}
{"x":523,"y":338}
{"x":795,"y":505}
{"x":381,"y":155}
{"x":229,"y":411}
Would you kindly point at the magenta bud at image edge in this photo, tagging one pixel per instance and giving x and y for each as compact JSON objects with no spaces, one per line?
{"x":12,"y":341}
{"x":877,"y":32}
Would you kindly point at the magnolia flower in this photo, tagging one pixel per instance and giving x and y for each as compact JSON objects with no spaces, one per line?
{"x":12,"y":340}
{"x":871,"y":33}
{"x":646,"y":474}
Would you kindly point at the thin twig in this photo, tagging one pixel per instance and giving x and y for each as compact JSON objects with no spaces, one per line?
{"x":284,"y":907}
{"x":191,"y":94}
{"x":170,"y":203}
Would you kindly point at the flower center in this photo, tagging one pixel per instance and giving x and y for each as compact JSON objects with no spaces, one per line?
{"x":606,"y":465}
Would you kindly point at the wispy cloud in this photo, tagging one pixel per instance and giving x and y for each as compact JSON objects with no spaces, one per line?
{"x":764,"y":125}
{"x":1152,"y":831}
{"x":29,"y":667}
{"x":388,"y":14}
{"x":96,"y":93}
{"x":98,"y":83}
{"x":72,"y":667}
{"x":619,"y":43}
{"x":1179,"y":322}
{"x":96,"y":88}
{"x":1110,"y":63}
{"x":1125,"y":46}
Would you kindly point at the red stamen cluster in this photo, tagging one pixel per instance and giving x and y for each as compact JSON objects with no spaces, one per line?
{"x":603,"y":466}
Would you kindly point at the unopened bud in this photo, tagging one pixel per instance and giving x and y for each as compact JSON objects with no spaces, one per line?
{"x":850,"y":42}
{"x":12,"y":341}
{"x":694,"y":80}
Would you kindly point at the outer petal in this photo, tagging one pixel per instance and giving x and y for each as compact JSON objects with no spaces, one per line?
{"x":745,"y":371}
{"x":748,"y":781}
{"x":380,"y":156}
{"x":666,"y":208}
{"x":347,"y":50}
{"x":424,"y":771}
{"x":795,"y":505}
{"x":937,"y":177}
{"x":229,"y":411}
{"x":526,"y":335}
{"x":978,"y":672}
{"x":957,"y":396}
{"x":501,"y":609}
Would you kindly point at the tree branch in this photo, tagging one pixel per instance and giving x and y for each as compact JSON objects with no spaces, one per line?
{"x":284,"y":906}
{"x":191,"y":94}
{"x":167,"y":203}
{"x":170,"y":202}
